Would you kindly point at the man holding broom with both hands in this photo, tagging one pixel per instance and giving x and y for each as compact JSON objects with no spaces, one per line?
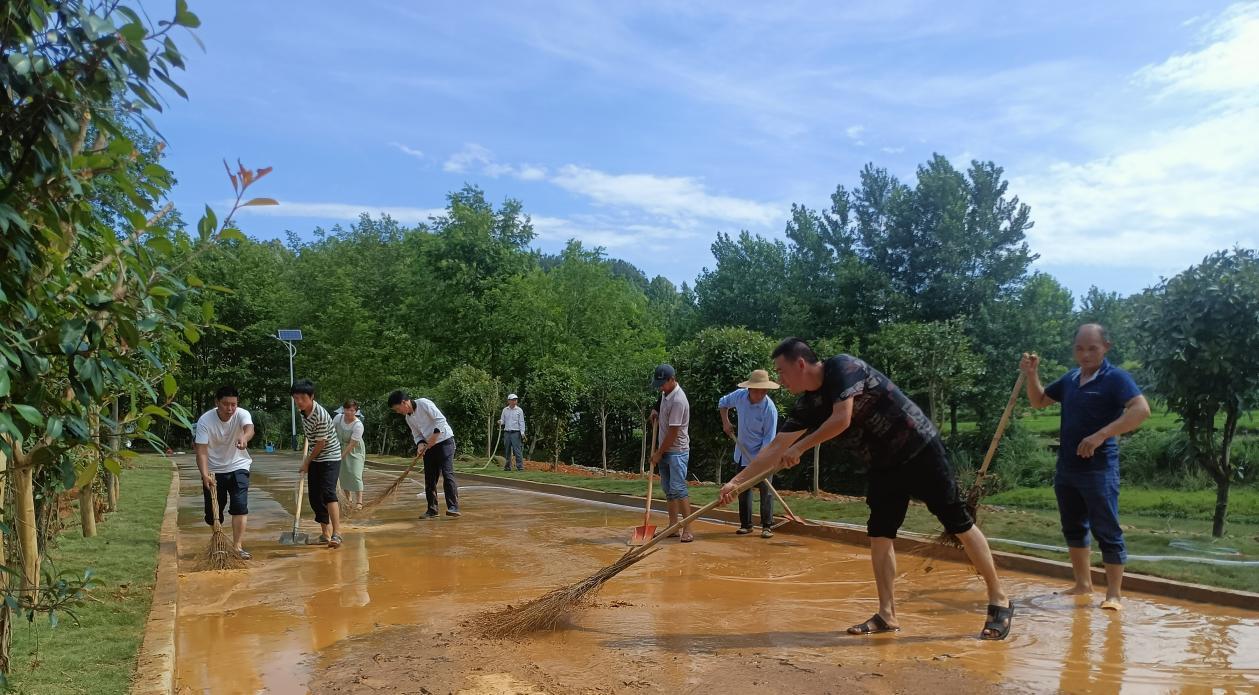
{"x":846,"y":399}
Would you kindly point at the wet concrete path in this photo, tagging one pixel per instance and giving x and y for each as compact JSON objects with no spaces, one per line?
{"x":277,"y":626}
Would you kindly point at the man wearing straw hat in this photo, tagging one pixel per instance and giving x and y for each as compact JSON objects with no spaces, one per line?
{"x":758,"y":424}
{"x":846,"y":399}
{"x":512,"y":420}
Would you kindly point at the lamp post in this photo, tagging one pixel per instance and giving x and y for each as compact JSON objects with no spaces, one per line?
{"x":288,"y":336}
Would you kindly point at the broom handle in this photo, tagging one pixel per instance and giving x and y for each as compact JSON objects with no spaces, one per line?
{"x":301,"y":487}
{"x":1005,"y":420}
{"x":661,"y":535}
{"x":790,"y":514}
{"x":214,"y":499}
{"x":650,"y":476}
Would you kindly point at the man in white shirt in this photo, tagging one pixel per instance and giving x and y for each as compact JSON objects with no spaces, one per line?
{"x":435,"y":441}
{"x":221,"y":441}
{"x":513,"y":423}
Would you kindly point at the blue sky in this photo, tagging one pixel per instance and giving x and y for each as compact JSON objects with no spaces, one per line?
{"x":647,"y":127}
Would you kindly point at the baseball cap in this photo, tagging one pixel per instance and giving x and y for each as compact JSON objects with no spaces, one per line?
{"x":512,"y":397}
{"x":663,"y":373}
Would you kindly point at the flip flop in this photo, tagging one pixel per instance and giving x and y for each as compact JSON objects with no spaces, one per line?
{"x":873,"y":626}
{"x":687,"y":537}
{"x":997,"y":626}
{"x":1111,"y":604}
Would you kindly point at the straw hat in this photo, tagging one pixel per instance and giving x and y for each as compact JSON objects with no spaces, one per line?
{"x":759,"y":380}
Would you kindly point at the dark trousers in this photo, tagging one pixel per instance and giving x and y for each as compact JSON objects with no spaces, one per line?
{"x":230,"y":487}
{"x":440,"y":460}
{"x":515,"y":450}
{"x":767,"y":506}
{"x":321,"y":487}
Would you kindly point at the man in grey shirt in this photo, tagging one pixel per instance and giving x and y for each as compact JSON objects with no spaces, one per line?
{"x":674,"y":445}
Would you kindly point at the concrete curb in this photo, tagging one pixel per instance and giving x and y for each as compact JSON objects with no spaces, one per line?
{"x":155,"y":666}
{"x":910,"y":543}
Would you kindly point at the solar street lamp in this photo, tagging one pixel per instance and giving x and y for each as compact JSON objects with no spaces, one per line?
{"x":288,"y":336}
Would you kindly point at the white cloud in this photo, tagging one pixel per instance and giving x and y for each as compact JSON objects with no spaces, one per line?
{"x":408,"y":150}
{"x":1167,"y":197}
{"x":342,"y":211}
{"x":674,"y":197}
{"x":1227,"y":65}
{"x":464,"y":160}
{"x":892,"y":150}
{"x":854,"y":131}
{"x":478,"y":157}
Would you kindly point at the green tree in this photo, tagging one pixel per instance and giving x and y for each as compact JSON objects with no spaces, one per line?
{"x":934,"y":359}
{"x":93,"y":306}
{"x":555,"y":391}
{"x":470,"y":398}
{"x":1199,"y":344}
{"x":709,"y":366}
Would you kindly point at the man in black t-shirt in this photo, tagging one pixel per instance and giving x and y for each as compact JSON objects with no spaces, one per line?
{"x":846,"y":399}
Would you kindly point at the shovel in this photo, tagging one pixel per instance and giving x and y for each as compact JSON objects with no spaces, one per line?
{"x":643,"y":533}
{"x":294,"y":537}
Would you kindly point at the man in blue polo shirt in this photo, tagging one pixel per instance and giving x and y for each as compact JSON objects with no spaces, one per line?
{"x":1100,"y":402}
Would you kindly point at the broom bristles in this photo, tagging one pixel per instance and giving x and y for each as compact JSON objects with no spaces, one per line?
{"x":546,"y":611}
{"x":386,"y":495}
{"x":220,"y":554}
{"x":972,"y":508}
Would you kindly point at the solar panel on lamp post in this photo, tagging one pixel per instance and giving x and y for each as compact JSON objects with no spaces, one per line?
{"x":288,"y":336}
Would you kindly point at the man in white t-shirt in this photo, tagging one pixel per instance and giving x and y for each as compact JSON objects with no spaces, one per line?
{"x":222,"y":441}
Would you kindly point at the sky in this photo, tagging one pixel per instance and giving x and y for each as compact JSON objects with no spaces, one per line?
{"x":1130,"y":128}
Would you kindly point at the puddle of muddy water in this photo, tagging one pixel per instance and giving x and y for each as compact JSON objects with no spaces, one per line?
{"x":272,"y":627}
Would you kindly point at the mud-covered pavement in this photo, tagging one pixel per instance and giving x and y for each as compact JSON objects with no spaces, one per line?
{"x":724,"y":614}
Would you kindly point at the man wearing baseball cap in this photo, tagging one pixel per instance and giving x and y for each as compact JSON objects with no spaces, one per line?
{"x":673,"y":449}
{"x":512,"y":422}
{"x":758,"y":425}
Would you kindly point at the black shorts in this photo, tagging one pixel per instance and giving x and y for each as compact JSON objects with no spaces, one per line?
{"x":321,"y":486}
{"x":232,"y":488}
{"x":927,"y":477}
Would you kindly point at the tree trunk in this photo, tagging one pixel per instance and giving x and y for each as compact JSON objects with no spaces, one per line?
{"x":555,"y":458}
{"x":489,"y":436}
{"x":87,"y":509}
{"x":1221,"y":506}
{"x":642,"y":456}
{"x":111,"y":480}
{"x":953,"y":419}
{"x":817,"y":455}
{"x":6,"y":623}
{"x":28,"y":536}
{"x":603,"y":426}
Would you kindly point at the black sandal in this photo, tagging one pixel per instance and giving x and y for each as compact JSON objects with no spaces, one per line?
{"x":873,"y":626}
{"x":997,"y":626}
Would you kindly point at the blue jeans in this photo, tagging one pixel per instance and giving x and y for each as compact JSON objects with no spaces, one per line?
{"x":1088,"y":504}
{"x":673,"y":475}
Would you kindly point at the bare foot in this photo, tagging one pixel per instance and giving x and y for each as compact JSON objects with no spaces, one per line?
{"x":1112,"y":603}
{"x":1076,"y":590}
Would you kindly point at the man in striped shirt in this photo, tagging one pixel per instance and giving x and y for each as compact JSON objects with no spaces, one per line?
{"x":322,"y":465}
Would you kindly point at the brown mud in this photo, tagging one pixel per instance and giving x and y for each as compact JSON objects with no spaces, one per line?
{"x":385,"y":612}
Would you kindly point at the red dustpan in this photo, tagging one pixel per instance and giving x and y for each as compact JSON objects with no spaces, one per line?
{"x":643,"y":533}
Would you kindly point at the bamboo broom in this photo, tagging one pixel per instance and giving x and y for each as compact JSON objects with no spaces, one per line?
{"x":544,"y":612}
{"x":220,"y":554}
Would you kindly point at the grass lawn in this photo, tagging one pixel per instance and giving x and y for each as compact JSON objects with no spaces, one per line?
{"x":98,"y":655}
{"x":1152,"y":520}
